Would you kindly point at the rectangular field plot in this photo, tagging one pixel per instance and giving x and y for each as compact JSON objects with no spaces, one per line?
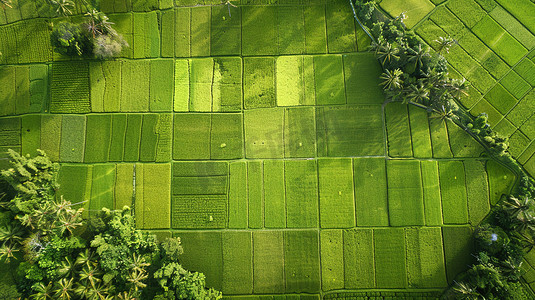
{"x":332,"y":259}
{"x":191,"y":136}
{"x":274,"y":194}
{"x":477,"y":190}
{"x":7,"y":91}
{"x":200,"y":84}
{"x":432,"y":200}
{"x":405,"y":194}
{"x":259,"y":82}
{"x":161,"y":85}
{"x":72,"y":138}
{"x":102,"y":188}
{"x":514,"y":83}
{"x":513,"y":26}
{"x":69,"y":88}
{"x":156,"y":196}
{"x":264,"y":133}
{"x":301,"y":261}
{"x":118,"y":131}
{"x":301,"y":193}
{"x":447,"y":21}
{"x":371,"y":191}
{"x":337,"y":207}
{"x":501,"y":99}
{"x":349,"y":131}
{"x":135,"y":86}
{"x":359,"y":264}
{"x":237,"y":199}
{"x":462,"y":144}
{"x":501,"y":180}
{"x":124,"y":182}
{"x":398,"y":130}
{"x":105,"y":83}
{"x":299,"y":132}
{"x":425,"y":258}
{"x":416,"y":9}
{"x":98,"y":132}
{"x":76,"y":190}
{"x":439,"y":138}
{"x":259,"y":30}
{"x":468,"y":11}
{"x":225,"y":31}
{"x":237,"y":262}
{"x":50,"y":135}
{"x":255,"y":190}
{"x":522,"y":10}
{"x":329,"y":79}
{"x":340,"y":28}
{"x":361,"y":74}
{"x":315,"y":29}
{"x":390,"y":268}
{"x":421,"y":138}
{"x":291,"y":29}
{"x":458,"y":244}
{"x":226,"y":138}
{"x":268,"y":266}
{"x":453,"y":191}
{"x":290,"y":80}
{"x":227,"y":84}
{"x":30,"y":134}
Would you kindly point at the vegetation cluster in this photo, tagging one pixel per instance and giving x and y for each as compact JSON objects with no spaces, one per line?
{"x":60,"y":254}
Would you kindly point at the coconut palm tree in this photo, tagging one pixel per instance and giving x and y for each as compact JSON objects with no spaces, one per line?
{"x":5,"y":3}
{"x":43,"y":292}
{"x":11,"y":234}
{"x":387,"y":52}
{"x":467,"y":291}
{"x":67,"y":268}
{"x":417,"y":57}
{"x":136,"y":278}
{"x":7,"y":251}
{"x":444,"y":44}
{"x":417,"y":93}
{"x":391,"y":79}
{"x":64,"y":289}
{"x":63,"y":7}
{"x":515,"y":207}
{"x":99,"y":23}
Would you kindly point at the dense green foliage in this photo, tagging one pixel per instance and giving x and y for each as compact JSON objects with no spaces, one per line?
{"x":64,"y":256}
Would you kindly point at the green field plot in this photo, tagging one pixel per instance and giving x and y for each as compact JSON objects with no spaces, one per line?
{"x":161,"y":85}
{"x":182,"y":31}
{"x":105,"y":83}
{"x":329,"y":80}
{"x":237,"y":199}
{"x":167,"y":30}
{"x":72,"y":138}
{"x":291,"y":29}
{"x":337,"y":205}
{"x":181,"y":96}
{"x":361,"y":74}
{"x":340,"y":28}
{"x":405,"y":193}
{"x":226,"y":137}
{"x":274,"y":194}
{"x":225,"y":31}
{"x":191,"y":136}
{"x":315,"y":29}
{"x":227,"y":84}
{"x":268,"y":266}
{"x":156,"y":196}
{"x":526,"y":69}
{"x":371,"y":191}
{"x":431,"y":190}
{"x":425,"y":258}
{"x":477,"y":190}
{"x":237,"y":263}
{"x":514,"y":83}
{"x":332,"y":259}
{"x":290,"y":80}
{"x":102,"y":188}
{"x":123,"y":25}
{"x":30,"y":134}
{"x":462,"y":144}
{"x":7,"y":91}
{"x":421,"y":138}
{"x":483,"y":106}
{"x":259,"y":82}
{"x":414,"y":9}
{"x":8,"y":45}
{"x":69,"y":88}
{"x":301,"y":182}
{"x":135,"y":86}
{"x":132,"y":137}
{"x":390,"y":258}
{"x":529,"y":126}
{"x":146,"y":34}
{"x":429,"y":30}
{"x":518,"y":142}
{"x":501,"y":99}
{"x":200,"y":84}
{"x":458,"y":245}
{"x":513,"y":26}
{"x":453,"y":192}
{"x":359,"y":264}
{"x":200,"y":31}
{"x":76,"y":190}
{"x":51,"y":135}
{"x":299,"y":133}
{"x":10,"y":138}
{"x":255,"y":193}
{"x":522,"y":10}
{"x":264,"y":133}
{"x":149,"y":138}
{"x":124,"y":181}
{"x":259,"y":30}
{"x":501,"y":180}
{"x":398,"y":130}
{"x":209,"y":244}
{"x":97,"y":138}
{"x":34,"y":35}
{"x":22,"y":89}
{"x":349,"y":131}
{"x":495,"y":65}
{"x":439,"y":138}
{"x":468,"y":11}
{"x":301,"y":261}
{"x":118,"y":130}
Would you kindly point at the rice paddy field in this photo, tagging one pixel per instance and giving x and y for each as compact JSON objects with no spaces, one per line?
{"x":259,"y":134}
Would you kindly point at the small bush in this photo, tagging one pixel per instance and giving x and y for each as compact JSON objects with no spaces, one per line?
{"x":69,"y":39}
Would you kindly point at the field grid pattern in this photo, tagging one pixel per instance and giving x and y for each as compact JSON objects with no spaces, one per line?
{"x":259,"y":134}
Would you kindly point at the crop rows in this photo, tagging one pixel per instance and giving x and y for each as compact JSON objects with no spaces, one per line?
{"x":23,"y":89}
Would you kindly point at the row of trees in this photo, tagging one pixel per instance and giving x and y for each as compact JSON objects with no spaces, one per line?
{"x":60,"y":255}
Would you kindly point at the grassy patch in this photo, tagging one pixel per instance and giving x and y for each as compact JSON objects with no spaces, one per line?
{"x":483,"y":106}
{"x":22,"y":89}
{"x":237,"y":263}
{"x":477,"y":190}
{"x":264,"y":133}
{"x":38,"y":87}
{"x":118,"y":131}
{"x":458,"y":245}
{"x":76,"y":190}
{"x":149,"y":138}
{"x":453,"y":191}
{"x":421,"y":138}
{"x":405,"y":193}
{"x":259,"y":30}
{"x":181,"y":96}
{"x":102,"y":186}
{"x":167,"y":28}
{"x":518,"y":142}
{"x":237,"y":200}
{"x":225,"y":31}
{"x":301,"y":193}
{"x":526,"y":69}
{"x":301,"y":261}
{"x":259,"y":82}
{"x":69,"y":88}
{"x":515,"y":28}
{"x":361,"y":74}
{"x":315,"y":30}
{"x":337,"y":207}
{"x":415,"y":9}
{"x":349,"y":131}
{"x":501,"y":181}
{"x":468,"y":11}
{"x":132,"y":137}
{"x":431,"y":191}
{"x":291,"y":29}
{"x":72,"y":138}
{"x":329,"y":80}
{"x":161,"y":85}
{"x":182,"y":32}
{"x":191,"y":136}
{"x":290,"y":80}
{"x":97,"y":138}
{"x":439,"y":138}
{"x":495,"y":65}
{"x":447,"y":21}
{"x":124,"y":181}
{"x":200,"y":31}
{"x":462,"y":144}
{"x":390,"y":268}
{"x":226,"y":136}
{"x":156,"y":196}
{"x":359,"y":265}
{"x":50,"y":135}
{"x":299,"y":133}
{"x":135,"y":86}
{"x":30,"y":134}
{"x":425,"y":258}
{"x":371,"y":191}
{"x":7,"y":91}
{"x":501,"y":99}
{"x":274,"y":194}
{"x":332,"y":259}
{"x":268,"y":266}
{"x":398,"y":130}
{"x":515,"y":85}
{"x":255,"y":193}
{"x":340,"y":28}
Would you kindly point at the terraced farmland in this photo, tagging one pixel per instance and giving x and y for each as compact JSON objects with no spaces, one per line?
{"x":259,"y":134}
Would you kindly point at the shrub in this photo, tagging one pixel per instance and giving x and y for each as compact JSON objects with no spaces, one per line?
{"x":69,"y":39}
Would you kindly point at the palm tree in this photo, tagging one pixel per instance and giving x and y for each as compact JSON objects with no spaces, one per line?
{"x":457,"y":88}
{"x":64,"y":289}
{"x":90,"y":275}
{"x":136,"y":279}
{"x":5,"y":3}
{"x":387,"y":52}
{"x":43,"y":292}
{"x":443,"y":111}
{"x":467,"y":291}
{"x":391,"y":80}
{"x":6,"y":252}
{"x":63,"y":7}
{"x":417,"y":93}
{"x":515,"y":207}
{"x":67,"y":268}
{"x":444,"y":44}
{"x":511,"y":269}
{"x":11,"y":234}
{"x":99,"y":23}
{"x":417,"y":56}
